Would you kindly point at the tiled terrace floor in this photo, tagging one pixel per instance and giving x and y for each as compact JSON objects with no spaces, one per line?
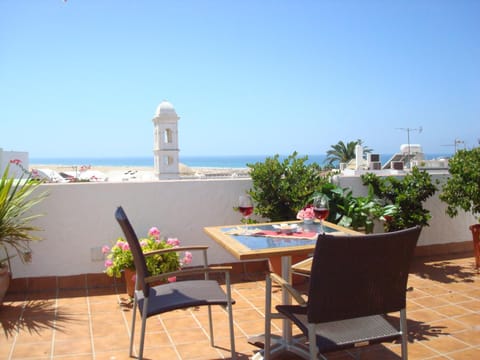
{"x":91,"y":323}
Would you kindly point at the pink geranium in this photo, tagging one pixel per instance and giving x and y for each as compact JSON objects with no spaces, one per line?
{"x":154,"y":232}
{"x":187,"y":258}
{"x":306,"y":213}
{"x":173,"y":241}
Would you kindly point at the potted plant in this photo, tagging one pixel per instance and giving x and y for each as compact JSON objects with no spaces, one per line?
{"x":462,"y":190}
{"x":119,"y":258}
{"x":17,"y":197}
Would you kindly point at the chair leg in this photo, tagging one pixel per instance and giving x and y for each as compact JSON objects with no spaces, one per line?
{"x":210,"y":325}
{"x":230,"y":316}
{"x":403,"y":329}
{"x":268,"y":312}
{"x":142,"y":331}
{"x":132,"y":329}
{"x":312,"y":340}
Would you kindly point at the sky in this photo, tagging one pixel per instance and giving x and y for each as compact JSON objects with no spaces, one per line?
{"x":83,"y":78}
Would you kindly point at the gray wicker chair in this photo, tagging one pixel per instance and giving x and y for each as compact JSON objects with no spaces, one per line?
{"x":153,"y":300}
{"x":355,"y":281}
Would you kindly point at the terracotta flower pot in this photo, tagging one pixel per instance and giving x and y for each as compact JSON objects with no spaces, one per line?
{"x":130,"y":276}
{"x":4,"y":282}
{"x":130,"y":281}
{"x":475,"y":229}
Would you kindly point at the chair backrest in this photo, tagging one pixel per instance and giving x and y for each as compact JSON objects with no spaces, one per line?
{"x":355,"y":276}
{"x":138,"y":257}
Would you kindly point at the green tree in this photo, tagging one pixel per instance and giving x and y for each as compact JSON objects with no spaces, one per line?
{"x":408,"y":194}
{"x":343,"y":153}
{"x":281,"y":188}
{"x":462,"y":189}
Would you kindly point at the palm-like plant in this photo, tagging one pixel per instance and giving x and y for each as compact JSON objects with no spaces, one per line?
{"x":17,"y":197}
{"x":343,"y":153}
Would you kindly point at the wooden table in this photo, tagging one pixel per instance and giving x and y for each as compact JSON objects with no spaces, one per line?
{"x":248,"y":247}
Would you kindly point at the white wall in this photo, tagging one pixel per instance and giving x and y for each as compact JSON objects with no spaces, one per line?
{"x":79,"y":217}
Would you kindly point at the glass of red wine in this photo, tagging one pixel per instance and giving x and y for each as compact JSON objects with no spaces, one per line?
{"x":245,"y":206}
{"x":320,"y":209}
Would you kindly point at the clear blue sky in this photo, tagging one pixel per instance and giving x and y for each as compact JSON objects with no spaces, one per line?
{"x":84,"y":77}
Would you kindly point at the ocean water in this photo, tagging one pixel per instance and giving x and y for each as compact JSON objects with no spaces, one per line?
{"x":234,"y":161}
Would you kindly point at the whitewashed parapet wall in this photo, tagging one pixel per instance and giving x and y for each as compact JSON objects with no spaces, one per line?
{"x":79,"y":219}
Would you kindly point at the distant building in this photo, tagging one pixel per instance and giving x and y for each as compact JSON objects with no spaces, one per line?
{"x":165,"y":144}
{"x":12,"y":158}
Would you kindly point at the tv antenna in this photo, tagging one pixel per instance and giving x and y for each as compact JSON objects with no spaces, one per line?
{"x":408,"y":130}
{"x":455,"y":143}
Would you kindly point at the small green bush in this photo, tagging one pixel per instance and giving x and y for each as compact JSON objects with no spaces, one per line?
{"x":408,"y":194}
{"x":281,"y":188}
{"x":462,"y":189}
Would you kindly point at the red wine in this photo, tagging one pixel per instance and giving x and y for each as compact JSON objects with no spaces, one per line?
{"x":320,"y":213}
{"x":246,"y":210}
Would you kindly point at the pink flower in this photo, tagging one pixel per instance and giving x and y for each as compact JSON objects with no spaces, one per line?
{"x":187,"y":258}
{"x":306,"y":213}
{"x":108,"y":263}
{"x":125,"y":246}
{"x":143,"y":242}
{"x":173,"y":241}
{"x":105,"y":249}
{"x":154,"y":232}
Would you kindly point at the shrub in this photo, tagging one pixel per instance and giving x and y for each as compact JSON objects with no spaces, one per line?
{"x":281,"y":188}
{"x":408,"y":194}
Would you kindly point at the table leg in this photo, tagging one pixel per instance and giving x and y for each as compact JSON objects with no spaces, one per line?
{"x":286,"y":298}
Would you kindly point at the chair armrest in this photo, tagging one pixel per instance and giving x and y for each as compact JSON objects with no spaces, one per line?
{"x":294,"y":293}
{"x":186,"y":272}
{"x":175,"y":249}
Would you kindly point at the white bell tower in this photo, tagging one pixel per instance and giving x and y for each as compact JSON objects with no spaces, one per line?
{"x":165,"y":144}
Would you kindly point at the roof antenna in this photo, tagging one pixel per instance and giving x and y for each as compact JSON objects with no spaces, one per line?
{"x":419,"y":129}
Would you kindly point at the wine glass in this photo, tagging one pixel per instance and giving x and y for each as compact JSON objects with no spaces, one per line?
{"x":245,"y":206}
{"x":320,"y":209}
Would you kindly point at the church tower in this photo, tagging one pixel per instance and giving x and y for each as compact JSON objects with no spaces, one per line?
{"x":165,"y":145}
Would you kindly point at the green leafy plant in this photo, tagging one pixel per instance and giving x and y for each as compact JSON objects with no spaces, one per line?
{"x":358,"y":213}
{"x":17,"y":197}
{"x":407,"y":194}
{"x":281,"y":188}
{"x":119,"y":257}
{"x":462,"y":188}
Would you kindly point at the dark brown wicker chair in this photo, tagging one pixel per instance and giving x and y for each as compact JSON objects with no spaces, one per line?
{"x":153,"y":300}
{"x":355,"y":281}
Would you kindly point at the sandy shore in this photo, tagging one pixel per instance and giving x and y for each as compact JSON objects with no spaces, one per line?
{"x":132,"y":173}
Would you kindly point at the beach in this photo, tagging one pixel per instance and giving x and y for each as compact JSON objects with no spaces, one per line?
{"x":129,"y":173}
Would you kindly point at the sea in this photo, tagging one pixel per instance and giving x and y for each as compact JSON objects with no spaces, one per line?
{"x":232,"y":161}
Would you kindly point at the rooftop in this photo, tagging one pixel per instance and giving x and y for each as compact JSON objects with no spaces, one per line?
{"x":68,"y":318}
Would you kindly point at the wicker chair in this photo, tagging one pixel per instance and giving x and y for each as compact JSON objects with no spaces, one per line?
{"x":355,"y":281}
{"x":153,"y":300}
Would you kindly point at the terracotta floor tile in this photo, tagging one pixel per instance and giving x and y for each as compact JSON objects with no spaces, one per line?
{"x":468,"y":354}
{"x":469,"y":336}
{"x":79,"y":346}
